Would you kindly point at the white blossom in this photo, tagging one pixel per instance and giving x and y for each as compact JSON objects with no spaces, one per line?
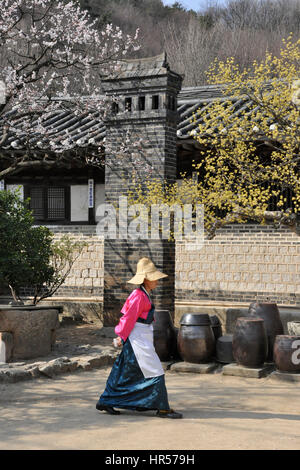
{"x":52,"y":57}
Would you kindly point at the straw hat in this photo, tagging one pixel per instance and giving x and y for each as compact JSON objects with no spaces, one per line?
{"x":145,"y":269}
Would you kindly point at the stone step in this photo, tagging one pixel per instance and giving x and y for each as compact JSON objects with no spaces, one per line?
{"x":285,"y":376}
{"x":249,"y":372}
{"x":193,"y":368}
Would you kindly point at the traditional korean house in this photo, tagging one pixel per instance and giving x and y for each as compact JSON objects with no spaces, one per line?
{"x":243,"y":263}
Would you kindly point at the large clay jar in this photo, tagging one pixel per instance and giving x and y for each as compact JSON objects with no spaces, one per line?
{"x":287,"y":353}
{"x":273,"y":325}
{"x":224,"y":349}
{"x":175,"y":353}
{"x":196,"y":341}
{"x":216,"y":326}
{"x":250,"y":342}
{"x":164,"y":336}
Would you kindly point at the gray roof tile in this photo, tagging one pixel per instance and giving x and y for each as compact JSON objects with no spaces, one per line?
{"x":88,"y":129}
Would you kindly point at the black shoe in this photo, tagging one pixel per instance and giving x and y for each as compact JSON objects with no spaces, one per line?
{"x":108,"y":409}
{"x":168,"y":414}
{"x":140,"y":408}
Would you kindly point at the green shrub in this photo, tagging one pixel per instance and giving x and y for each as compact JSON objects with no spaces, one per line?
{"x":28,"y":256}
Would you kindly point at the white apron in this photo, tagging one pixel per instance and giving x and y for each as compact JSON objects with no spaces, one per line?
{"x":141,"y":340}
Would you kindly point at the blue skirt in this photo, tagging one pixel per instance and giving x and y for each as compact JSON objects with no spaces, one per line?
{"x":128,"y":388}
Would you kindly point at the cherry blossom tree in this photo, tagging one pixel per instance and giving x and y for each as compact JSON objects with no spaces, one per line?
{"x":53,"y":56}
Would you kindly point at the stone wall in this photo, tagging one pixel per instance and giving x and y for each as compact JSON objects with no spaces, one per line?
{"x":240,"y":264}
{"x":86,"y":278}
{"x":87,"y":275}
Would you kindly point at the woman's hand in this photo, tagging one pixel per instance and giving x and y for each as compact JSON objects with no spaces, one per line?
{"x":117,"y":342}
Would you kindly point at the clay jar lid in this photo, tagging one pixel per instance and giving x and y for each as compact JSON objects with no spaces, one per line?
{"x":225,"y":339}
{"x":163,"y":316}
{"x":190,"y":319}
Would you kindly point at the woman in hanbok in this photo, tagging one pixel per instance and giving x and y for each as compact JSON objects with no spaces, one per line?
{"x":137,"y":378}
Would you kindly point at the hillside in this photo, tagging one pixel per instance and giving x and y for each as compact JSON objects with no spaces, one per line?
{"x":244,"y":29}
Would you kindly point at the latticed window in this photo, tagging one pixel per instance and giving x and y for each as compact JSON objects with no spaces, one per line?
{"x":48,"y":203}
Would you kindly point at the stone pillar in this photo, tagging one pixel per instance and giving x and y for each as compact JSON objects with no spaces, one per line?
{"x":141,"y":142}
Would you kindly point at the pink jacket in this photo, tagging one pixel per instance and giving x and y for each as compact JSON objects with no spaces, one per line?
{"x":137,"y":305}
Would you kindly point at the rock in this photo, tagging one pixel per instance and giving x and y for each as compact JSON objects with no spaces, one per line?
{"x":84,"y":365}
{"x":73,"y":364}
{"x":47,"y":370}
{"x":100,"y":357}
{"x":33,"y":329}
{"x":12,"y":375}
{"x":7,"y":341}
{"x":58,"y":366}
{"x":35,"y":364}
{"x":103,"y":360}
{"x":17,"y":364}
{"x":34,"y":370}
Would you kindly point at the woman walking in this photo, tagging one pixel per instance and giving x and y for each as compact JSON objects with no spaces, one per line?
{"x":137,"y":379}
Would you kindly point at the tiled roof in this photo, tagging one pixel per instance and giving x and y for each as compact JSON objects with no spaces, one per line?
{"x":199,"y":93}
{"x":194,"y":102}
{"x":144,"y":67}
{"x":79,"y":131}
{"x":88,"y":130}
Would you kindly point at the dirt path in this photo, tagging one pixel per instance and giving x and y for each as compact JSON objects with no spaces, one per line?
{"x":219,"y":413}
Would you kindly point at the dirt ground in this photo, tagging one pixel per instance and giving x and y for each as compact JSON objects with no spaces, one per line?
{"x":219,"y":412}
{"x":80,"y":334}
